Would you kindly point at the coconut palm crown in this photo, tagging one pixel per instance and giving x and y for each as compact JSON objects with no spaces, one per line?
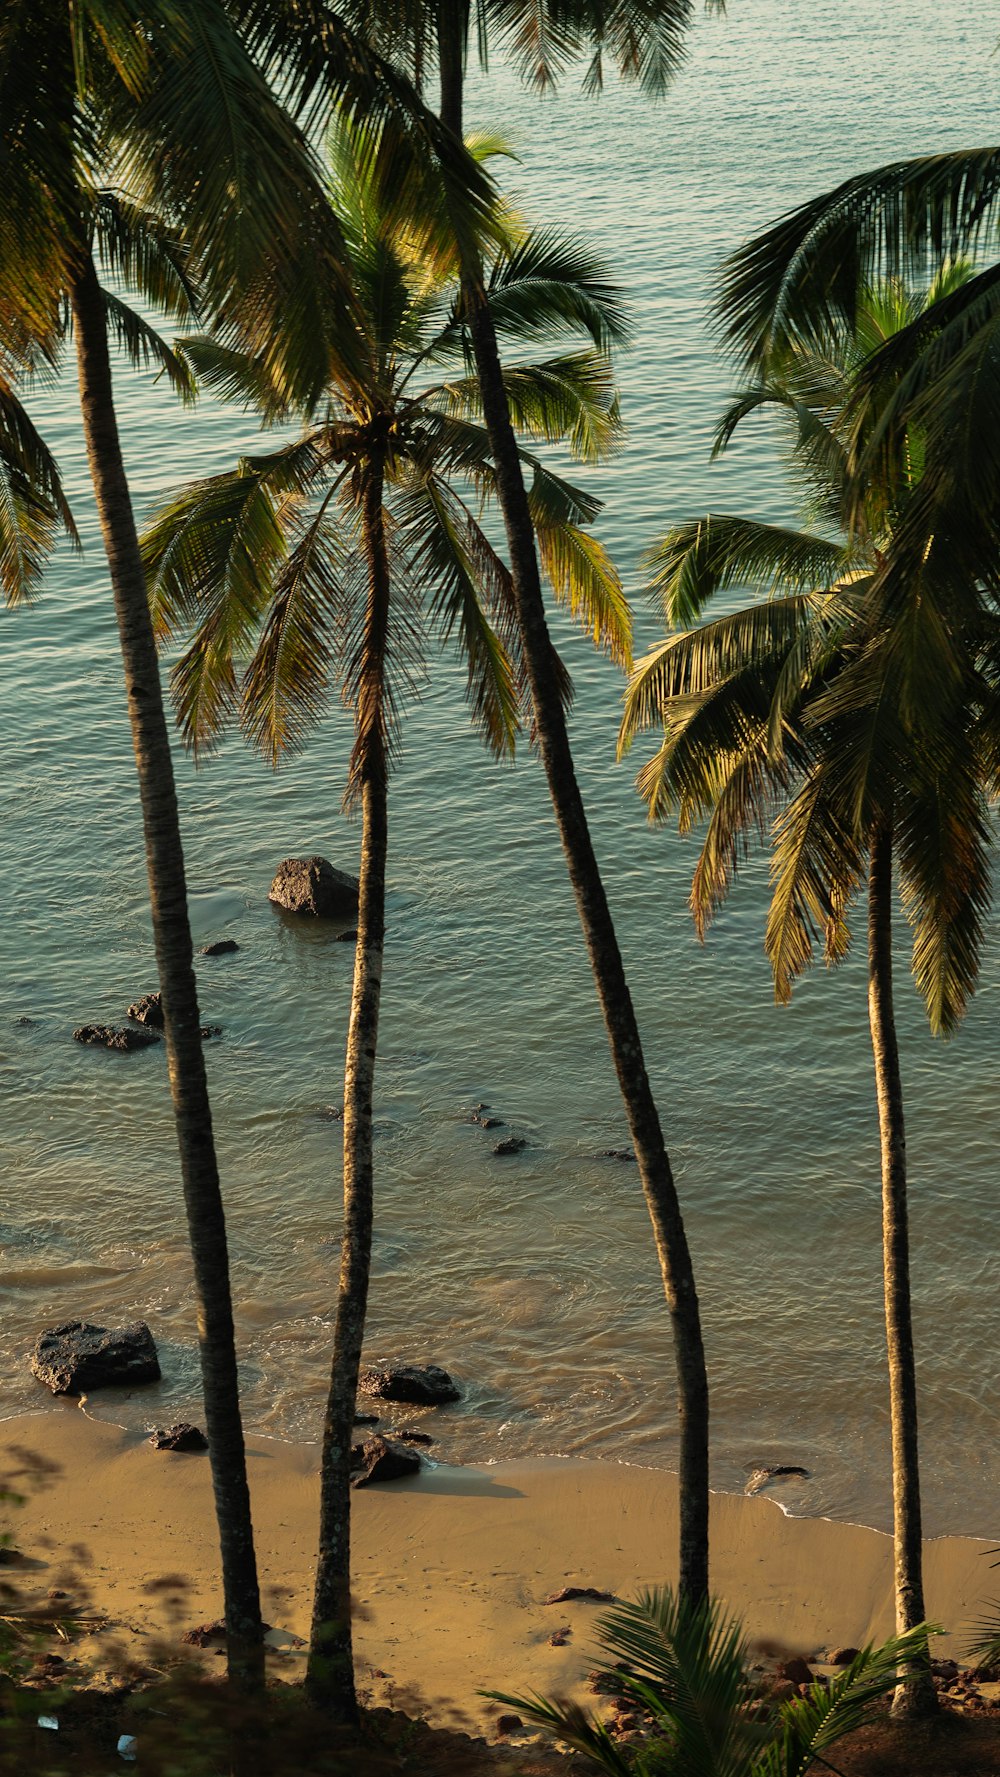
{"x":850,"y":722}
{"x":264,"y":563}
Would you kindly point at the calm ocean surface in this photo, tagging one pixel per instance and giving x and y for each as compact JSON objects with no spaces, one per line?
{"x":533,"y":1279}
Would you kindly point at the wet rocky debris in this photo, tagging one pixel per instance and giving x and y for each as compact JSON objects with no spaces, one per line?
{"x":110,"y":1036}
{"x":77,"y":1357}
{"x":219,"y":947}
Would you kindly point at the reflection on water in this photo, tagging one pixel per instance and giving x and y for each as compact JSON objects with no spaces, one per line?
{"x":532,"y":1278}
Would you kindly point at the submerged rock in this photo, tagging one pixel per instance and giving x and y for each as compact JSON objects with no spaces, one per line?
{"x":77,"y":1357}
{"x":219,"y":947}
{"x":759,"y":1477}
{"x":110,"y":1036}
{"x":385,"y":1460}
{"x":313,"y":887}
{"x":181,"y":1437}
{"x":408,"y":1434}
{"x":349,"y":937}
{"x":511,"y":1144}
{"x":419,"y":1385}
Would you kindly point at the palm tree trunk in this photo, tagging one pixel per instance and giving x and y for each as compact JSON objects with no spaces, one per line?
{"x":595,"y":917}
{"x":330,"y":1673}
{"x":182,"y":1022}
{"x":917,"y":1696}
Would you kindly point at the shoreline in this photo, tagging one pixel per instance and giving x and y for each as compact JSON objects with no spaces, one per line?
{"x":451,"y":1568}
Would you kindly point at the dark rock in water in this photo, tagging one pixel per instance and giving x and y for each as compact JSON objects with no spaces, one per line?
{"x":759,"y":1477}
{"x":24,"y":1023}
{"x":408,"y":1434}
{"x":77,"y":1357}
{"x":313,"y":887}
{"x":110,"y":1036}
{"x":616,"y":1154}
{"x":179,"y":1437}
{"x":565,"y":1593}
{"x":481,"y":1114}
{"x":147,"y":1010}
{"x":211,"y":1030}
{"x":347,"y":937}
{"x":220,"y":947}
{"x":511,"y":1144}
{"x":385,"y":1460}
{"x":366,"y":1418}
{"x":419,"y":1385}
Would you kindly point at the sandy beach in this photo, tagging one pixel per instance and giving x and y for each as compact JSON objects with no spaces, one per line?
{"x":452,"y":1568}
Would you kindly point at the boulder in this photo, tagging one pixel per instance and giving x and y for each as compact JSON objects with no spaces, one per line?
{"x":179,"y":1437}
{"x":842,"y":1656}
{"x":219,"y":947}
{"x":419,"y":1385}
{"x":313,"y":887}
{"x":408,"y":1434}
{"x":385,"y":1460}
{"x":348,"y":937}
{"x":508,"y":1724}
{"x":147,"y":1010}
{"x":796,"y":1671}
{"x":109,"y":1036}
{"x":77,"y":1357}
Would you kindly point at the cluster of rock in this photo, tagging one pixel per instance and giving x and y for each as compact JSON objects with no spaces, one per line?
{"x":508,"y":1144}
{"x":146,"y":1028}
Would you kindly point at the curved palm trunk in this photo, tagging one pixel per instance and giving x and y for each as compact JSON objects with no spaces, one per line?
{"x":595,"y":917}
{"x":917,"y":1696}
{"x":172,"y":936}
{"x":330,"y":1673}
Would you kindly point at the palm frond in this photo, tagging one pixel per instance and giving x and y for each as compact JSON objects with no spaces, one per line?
{"x":551,"y":283}
{"x":285,"y":686}
{"x":810,"y":1726}
{"x":800,"y":280}
{"x":143,"y":346}
{"x":466,"y":581}
{"x":816,"y":867}
{"x":705,"y":556}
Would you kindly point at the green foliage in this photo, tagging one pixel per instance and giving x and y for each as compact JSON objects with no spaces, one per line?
{"x":863,"y":689}
{"x":264,"y":568}
{"x":683,"y":1667}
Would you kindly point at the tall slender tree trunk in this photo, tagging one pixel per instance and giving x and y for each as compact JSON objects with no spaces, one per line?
{"x":917,"y":1696}
{"x":330,"y":1673}
{"x":182,"y":1022}
{"x":595,"y":917}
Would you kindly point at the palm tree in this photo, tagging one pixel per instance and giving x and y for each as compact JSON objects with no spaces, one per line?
{"x":153,"y":146}
{"x":684,"y":1670}
{"x":326,"y":557}
{"x":855,"y":730}
{"x":645,"y":43}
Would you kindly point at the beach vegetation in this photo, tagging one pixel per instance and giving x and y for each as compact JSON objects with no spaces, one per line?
{"x":685,"y":1671}
{"x":847,"y":719}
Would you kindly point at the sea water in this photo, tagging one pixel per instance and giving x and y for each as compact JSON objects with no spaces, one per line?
{"x":532,"y":1278}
